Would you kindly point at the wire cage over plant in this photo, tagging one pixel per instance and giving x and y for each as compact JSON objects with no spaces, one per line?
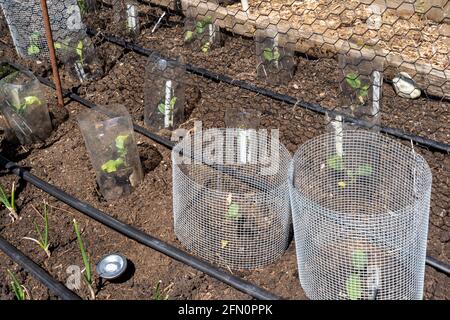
{"x":360,"y":218}
{"x":232,"y":214}
{"x":25,"y":22}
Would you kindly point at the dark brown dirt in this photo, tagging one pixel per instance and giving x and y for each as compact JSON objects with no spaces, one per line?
{"x":63,"y":161}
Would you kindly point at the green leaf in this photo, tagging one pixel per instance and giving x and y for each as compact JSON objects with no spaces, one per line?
{"x":353,"y":286}
{"x":276,"y":55}
{"x":205,"y":47}
{"x":364,"y":91}
{"x":162,"y":108}
{"x":79,"y":49}
{"x":86,"y":263}
{"x":30,"y":100}
{"x":112,"y":165}
{"x":353,"y":80}
{"x":364,"y":170}
{"x":268,"y":54}
{"x":34,"y":37}
{"x":233,"y":211}
{"x":207,"y":20}
{"x":58,"y":45}
{"x":33,"y":50}
{"x":188,"y":36}
{"x":359,"y":259}
{"x":120,"y":141}
{"x":336,"y":163}
{"x":16,"y":286}
{"x":172,"y":103}
{"x":199,"y":27}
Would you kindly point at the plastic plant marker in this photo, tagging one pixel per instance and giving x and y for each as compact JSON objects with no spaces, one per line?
{"x":353,"y":287}
{"x":168,"y":120}
{"x":336,"y":163}
{"x":233,"y":211}
{"x":132,"y":15}
{"x":359,"y":260}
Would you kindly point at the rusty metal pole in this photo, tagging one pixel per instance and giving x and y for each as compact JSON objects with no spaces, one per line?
{"x":51,"y":50}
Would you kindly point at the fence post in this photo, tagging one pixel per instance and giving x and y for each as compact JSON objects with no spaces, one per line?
{"x":51,"y":50}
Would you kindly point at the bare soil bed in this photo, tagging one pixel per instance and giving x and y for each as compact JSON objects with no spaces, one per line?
{"x":63,"y":161}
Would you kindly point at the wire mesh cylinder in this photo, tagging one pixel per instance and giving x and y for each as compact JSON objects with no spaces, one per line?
{"x":232,"y":213}
{"x":360,"y":217}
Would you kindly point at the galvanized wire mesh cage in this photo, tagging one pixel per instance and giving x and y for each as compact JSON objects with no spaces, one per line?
{"x":360,"y":218}
{"x":24,"y":19}
{"x":234,"y":214}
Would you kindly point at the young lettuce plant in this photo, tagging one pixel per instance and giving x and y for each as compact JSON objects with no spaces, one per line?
{"x":87,"y":265}
{"x":200,"y":28}
{"x":271,"y":54}
{"x":113,"y":165}
{"x":27,"y":102}
{"x":336,"y":162}
{"x":362,"y":90}
{"x":33,"y":48}
{"x":9,"y":202}
{"x":43,"y":241}
{"x":20,"y":291}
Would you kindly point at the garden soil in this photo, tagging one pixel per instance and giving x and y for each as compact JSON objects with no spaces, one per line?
{"x":64,"y":162}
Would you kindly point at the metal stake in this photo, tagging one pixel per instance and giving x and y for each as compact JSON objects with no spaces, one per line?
{"x":51,"y":50}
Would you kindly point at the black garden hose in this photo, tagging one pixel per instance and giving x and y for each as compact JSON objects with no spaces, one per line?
{"x":139,"y":236}
{"x":40,"y":274}
{"x":432,"y":144}
{"x":438,"y":265}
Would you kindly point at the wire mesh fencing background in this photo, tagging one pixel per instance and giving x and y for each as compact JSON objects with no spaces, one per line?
{"x":360,"y":217}
{"x":24,"y":19}
{"x":230,"y":212}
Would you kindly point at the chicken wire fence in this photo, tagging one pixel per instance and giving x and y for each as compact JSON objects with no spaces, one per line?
{"x":231,"y":197}
{"x":25,"y":22}
{"x":360,"y":214}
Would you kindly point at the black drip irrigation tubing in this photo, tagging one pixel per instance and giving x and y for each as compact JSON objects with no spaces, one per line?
{"x":432,"y":262}
{"x":40,"y":274}
{"x":139,"y":236}
{"x":317,"y":108}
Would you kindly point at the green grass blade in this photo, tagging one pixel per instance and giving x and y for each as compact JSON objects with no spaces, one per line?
{"x":13,"y":192}
{"x":16,"y":286}
{"x":86,"y":263}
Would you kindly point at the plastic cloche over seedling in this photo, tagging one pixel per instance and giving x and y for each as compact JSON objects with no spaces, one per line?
{"x":126,"y":15}
{"x":24,"y":106}
{"x":275,"y":56}
{"x":80,"y":55}
{"x":201,"y":34}
{"x":361,"y":83}
{"x":164,"y":93}
{"x":108,"y":134}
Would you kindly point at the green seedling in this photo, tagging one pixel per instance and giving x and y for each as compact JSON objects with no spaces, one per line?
{"x":233,"y":211}
{"x":33,"y":48}
{"x":114,"y":165}
{"x":27,"y":102}
{"x":201,"y":25}
{"x":43,"y":241}
{"x":80,"y":51}
{"x":9,"y":202}
{"x":206,"y":46}
{"x":158,"y":295}
{"x":83,"y":7}
{"x":87,"y":265}
{"x":336,"y":162}
{"x":354,"y":81}
{"x":162,"y":106}
{"x":271,"y":54}
{"x":200,"y":28}
{"x":359,"y":260}
{"x":354,"y":287}
{"x":20,"y":291}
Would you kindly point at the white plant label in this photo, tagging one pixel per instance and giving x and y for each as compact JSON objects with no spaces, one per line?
{"x":74,"y":22}
{"x":168,"y":115}
{"x":338,"y":134}
{"x":275,"y":49}
{"x":132,"y":17}
{"x":80,"y":71}
{"x":212,"y":33}
{"x":376,"y":92}
{"x":245,"y":5}
{"x":242,"y":141}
